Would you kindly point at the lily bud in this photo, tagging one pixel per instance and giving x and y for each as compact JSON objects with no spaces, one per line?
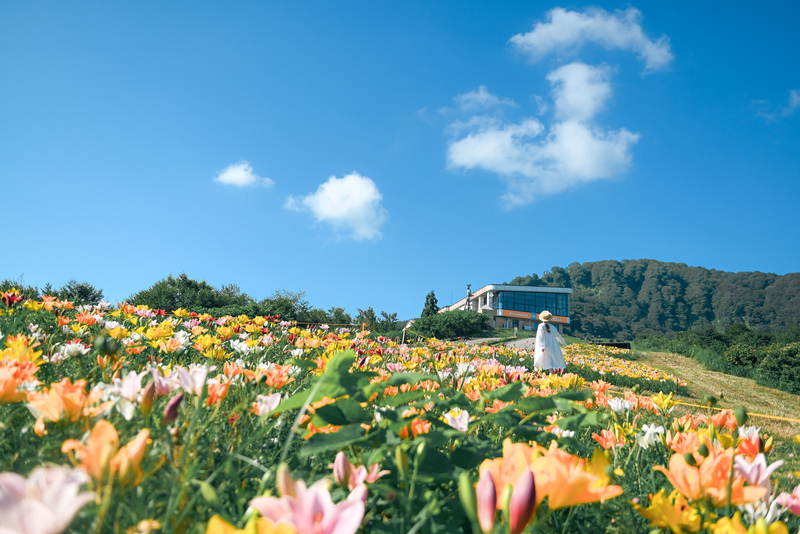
{"x":401,"y":458}
{"x":342,"y":470}
{"x":523,"y":502}
{"x":421,"y":450}
{"x":466,"y":492}
{"x":702,"y":450}
{"x":689,"y":458}
{"x":486,"y":494}
{"x":148,"y":396}
{"x":171,"y":411}
{"x":741,"y":415}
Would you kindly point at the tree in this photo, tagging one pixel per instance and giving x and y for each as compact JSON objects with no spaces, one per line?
{"x":431,"y":305}
{"x":80,"y":293}
{"x":367,"y":317}
{"x":183,"y":292}
{"x":339,"y":317}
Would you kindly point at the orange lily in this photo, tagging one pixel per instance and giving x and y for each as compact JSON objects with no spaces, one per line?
{"x":568,"y":480}
{"x":65,"y":401}
{"x":507,"y":469}
{"x":725,"y":419}
{"x":607,"y":439}
{"x":710,"y":479}
{"x":96,"y":456}
{"x":217,"y":390}
{"x":12,"y":374}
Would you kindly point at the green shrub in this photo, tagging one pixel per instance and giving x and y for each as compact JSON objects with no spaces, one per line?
{"x":743,"y":355}
{"x":780,"y":368}
{"x":452,"y":324}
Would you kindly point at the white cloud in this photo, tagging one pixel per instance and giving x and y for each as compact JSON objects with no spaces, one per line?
{"x":241,"y":175}
{"x":351,"y":204}
{"x":580,"y":90}
{"x":794,"y":102}
{"x":568,"y":31}
{"x":535,"y":161}
{"x":789,"y":109}
{"x":481,"y":99}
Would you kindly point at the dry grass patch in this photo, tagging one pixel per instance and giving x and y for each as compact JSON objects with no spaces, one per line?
{"x":762,"y":403}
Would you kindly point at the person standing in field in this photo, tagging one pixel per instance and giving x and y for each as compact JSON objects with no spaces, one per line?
{"x":547,"y":354}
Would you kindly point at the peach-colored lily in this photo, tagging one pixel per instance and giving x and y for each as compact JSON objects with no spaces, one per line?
{"x":567,"y":480}
{"x":12,"y":374}
{"x":66,"y":401}
{"x":710,"y":479}
{"x":101,"y":456}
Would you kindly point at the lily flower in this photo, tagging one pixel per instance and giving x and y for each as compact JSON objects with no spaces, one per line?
{"x":459,"y":422}
{"x":486,"y":495}
{"x":671,"y":511}
{"x":567,"y":480}
{"x":45,"y":502}
{"x":522,"y":504}
{"x":312,"y":510}
{"x":757,"y":473}
{"x":791,"y":500}
{"x":710,"y":479}
{"x":65,"y":401}
{"x":193,"y":379}
{"x":266,"y":403}
{"x":101,"y":456}
{"x":348,"y":475}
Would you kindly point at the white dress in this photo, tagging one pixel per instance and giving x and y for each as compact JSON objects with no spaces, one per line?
{"x":548,"y":351}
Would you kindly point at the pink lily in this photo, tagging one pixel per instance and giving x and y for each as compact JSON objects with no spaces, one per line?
{"x":757,"y":473}
{"x":45,"y":502}
{"x":312,"y":511}
{"x":791,"y":500}
{"x":347,"y":474}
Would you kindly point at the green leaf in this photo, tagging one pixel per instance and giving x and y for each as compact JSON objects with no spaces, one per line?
{"x":347,"y":435}
{"x":509,"y":393}
{"x":507,"y":417}
{"x":403,"y":398}
{"x":581,"y":420}
{"x":531,"y":405}
{"x":343,"y":412}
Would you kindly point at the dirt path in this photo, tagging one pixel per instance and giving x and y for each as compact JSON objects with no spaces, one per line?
{"x":732,"y":391}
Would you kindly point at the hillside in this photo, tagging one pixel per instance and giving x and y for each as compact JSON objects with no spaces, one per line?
{"x":623,"y":299}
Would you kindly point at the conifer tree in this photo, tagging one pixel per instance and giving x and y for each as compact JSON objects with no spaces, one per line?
{"x":431,"y":305}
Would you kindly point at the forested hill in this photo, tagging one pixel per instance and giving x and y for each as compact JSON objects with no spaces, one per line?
{"x":623,"y":299}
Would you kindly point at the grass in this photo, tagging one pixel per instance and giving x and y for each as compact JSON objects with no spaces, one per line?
{"x":761,"y":402}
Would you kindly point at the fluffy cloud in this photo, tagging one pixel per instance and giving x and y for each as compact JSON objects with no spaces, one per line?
{"x":568,"y":31}
{"x":351,"y":204}
{"x":580,"y":90}
{"x":481,"y":99}
{"x":241,"y":175}
{"x":535,"y":161}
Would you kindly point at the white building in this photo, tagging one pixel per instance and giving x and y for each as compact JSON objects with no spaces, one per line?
{"x":517,"y":306}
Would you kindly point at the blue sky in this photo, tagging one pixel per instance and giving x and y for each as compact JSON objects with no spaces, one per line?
{"x":370,"y":152}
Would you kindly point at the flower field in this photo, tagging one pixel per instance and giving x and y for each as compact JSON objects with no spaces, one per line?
{"x":126,"y":419}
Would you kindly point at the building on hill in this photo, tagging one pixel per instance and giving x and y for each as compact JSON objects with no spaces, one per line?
{"x":517,"y":306}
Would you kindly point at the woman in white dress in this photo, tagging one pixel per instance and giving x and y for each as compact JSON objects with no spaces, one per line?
{"x":548,"y":351}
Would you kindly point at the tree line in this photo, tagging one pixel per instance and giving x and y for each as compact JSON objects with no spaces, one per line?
{"x":628,"y":298}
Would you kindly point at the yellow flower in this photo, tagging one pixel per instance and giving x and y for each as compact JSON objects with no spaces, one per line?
{"x":180,"y":312}
{"x":218,"y":525}
{"x":671,"y":511}
{"x":664,"y":402}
